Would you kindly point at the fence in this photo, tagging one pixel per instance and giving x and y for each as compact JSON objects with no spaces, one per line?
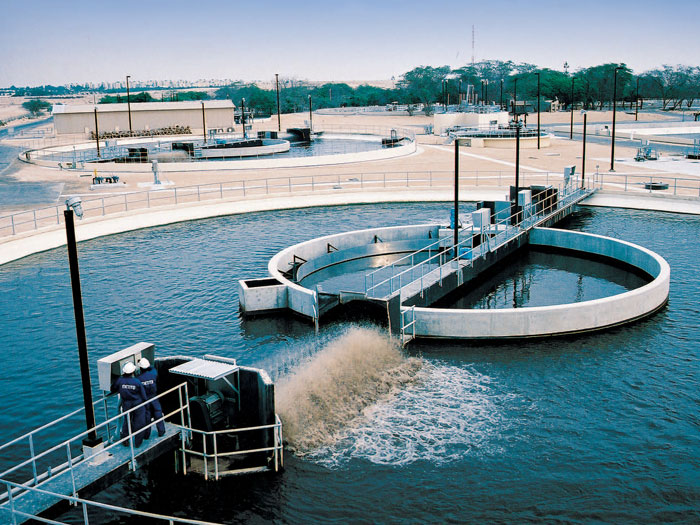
{"x":114,"y":203}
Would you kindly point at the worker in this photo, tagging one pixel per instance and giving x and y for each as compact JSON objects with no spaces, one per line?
{"x":148,"y":378}
{"x":131,"y":394}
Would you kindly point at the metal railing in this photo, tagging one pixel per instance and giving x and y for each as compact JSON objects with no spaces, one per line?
{"x":48,"y":457}
{"x":124,"y":202}
{"x":85,"y":504}
{"x":435,"y":267}
{"x":217,"y":455}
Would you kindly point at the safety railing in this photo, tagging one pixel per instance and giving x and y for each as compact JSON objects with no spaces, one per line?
{"x":432,"y":268}
{"x":125,"y":202}
{"x":408,"y":325}
{"x":216,"y":455}
{"x":43,"y":464}
{"x":10,"y":508}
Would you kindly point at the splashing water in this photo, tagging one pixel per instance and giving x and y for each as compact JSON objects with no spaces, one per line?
{"x":448,"y":413}
{"x":319,"y":399}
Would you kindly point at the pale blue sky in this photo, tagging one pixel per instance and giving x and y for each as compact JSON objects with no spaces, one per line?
{"x":56,"y":42}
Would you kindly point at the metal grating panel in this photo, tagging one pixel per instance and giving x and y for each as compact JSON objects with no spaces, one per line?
{"x":205,"y":369}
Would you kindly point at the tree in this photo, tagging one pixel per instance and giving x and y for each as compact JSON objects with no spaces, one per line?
{"x":673,"y":84}
{"x":36,"y":106}
{"x":422,"y":84}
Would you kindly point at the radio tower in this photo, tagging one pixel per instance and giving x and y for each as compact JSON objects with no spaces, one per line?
{"x":472,"y":44}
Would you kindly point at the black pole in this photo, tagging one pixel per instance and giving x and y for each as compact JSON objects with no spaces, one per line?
{"x":583,"y":158}
{"x":456,"y":229}
{"x":243,"y":117}
{"x":97,"y":134}
{"x":92,"y":438}
{"x":279,"y":118}
{"x":636,"y":102}
{"x":128,"y":104}
{"x":571,"y":131}
{"x":310,"y":117}
{"x":501,"y":94}
{"x":486,"y":92}
{"x":515,"y":99}
{"x":612,"y":149}
{"x":538,"y":110}
{"x":517,"y":164}
{"x":459,"y":92}
{"x":204,"y":124}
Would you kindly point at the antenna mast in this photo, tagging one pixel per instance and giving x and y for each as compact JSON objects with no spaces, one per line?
{"x":472,"y":44}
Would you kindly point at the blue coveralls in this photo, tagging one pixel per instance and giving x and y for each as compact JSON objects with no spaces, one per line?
{"x":148,"y":378}
{"x":132,"y":393}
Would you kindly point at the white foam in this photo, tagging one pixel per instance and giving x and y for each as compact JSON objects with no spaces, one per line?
{"x":451,"y":413}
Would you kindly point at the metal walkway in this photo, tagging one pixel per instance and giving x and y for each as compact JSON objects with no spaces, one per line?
{"x":91,"y":476}
{"x":62,"y":471}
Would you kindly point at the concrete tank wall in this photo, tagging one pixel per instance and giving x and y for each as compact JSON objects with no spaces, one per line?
{"x":558,"y":319}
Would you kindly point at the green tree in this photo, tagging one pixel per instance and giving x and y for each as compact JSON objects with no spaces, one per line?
{"x":36,"y":106}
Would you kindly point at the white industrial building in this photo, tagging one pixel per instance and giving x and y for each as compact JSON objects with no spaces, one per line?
{"x":145,"y":116}
{"x":471,"y":119}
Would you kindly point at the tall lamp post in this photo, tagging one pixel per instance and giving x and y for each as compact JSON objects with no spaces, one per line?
{"x":515,"y":99}
{"x":279,"y":118}
{"x":583,"y":156}
{"x":571,"y":131}
{"x":612,"y":149}
{"x":245,"y":136}
{"x":310,"y":118}
{"x":501,"y":94}
{"x":128,"y":104}
{"x":538,"y":109}
{"x":514,"y":206}
{"x":486,"y":92}
{"x":456,"y":225}
{"x":97,"y":134}
{"x":636,"y":102}
{"x":204,"y":124}
{"x":74,"y":203}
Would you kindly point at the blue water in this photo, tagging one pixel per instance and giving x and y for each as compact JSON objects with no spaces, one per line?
{"x":596,"y":428}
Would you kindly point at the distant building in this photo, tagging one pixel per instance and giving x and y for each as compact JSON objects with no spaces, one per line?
{"x":145,"y":116}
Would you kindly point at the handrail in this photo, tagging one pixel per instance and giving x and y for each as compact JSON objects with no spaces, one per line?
{"x":75,"y":500}
{"x":67,"y":442}
{"x":108,"y":204}
{"x":565,"y":197}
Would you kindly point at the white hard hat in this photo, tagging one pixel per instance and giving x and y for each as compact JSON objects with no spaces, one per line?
{"x":143,"y":363}
{"x":129,"y":368}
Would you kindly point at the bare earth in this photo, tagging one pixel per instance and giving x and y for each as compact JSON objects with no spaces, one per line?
{"x":432,"y":155}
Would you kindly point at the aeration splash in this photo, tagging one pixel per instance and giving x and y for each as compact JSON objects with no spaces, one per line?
{"x":318,"y":400}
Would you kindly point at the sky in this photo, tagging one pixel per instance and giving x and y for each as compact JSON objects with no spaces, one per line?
{"x":64,"y":41}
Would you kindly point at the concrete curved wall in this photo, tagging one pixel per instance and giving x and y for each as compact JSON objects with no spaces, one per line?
{"x":558,"y":319}
{"x":406,"y":148}
{"x":345,"y":247}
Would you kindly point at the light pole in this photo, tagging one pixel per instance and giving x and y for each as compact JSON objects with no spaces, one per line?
{"x":538,"y":109}
{"x":310,"y":118}
{"x":486,"y":92}
{"x":97,"y":134}
{"x":459,"y":92}
{"x":456,"y":225}
{"x":583,"y":156}
{"x":501,"y":94}
{"x":279,"y":118}
{"x":243,"y":117}
{"x":515,"y":99}
{"x":204,"y":124}
{"x":636,"y":102}
{"x":74,"y":203}
{"x":612,"y":149}
{"x":514,"y":207}
{"x":571,"y":132}
{"x":128,"y":104}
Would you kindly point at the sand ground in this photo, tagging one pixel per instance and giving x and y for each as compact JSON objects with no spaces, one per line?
{"x":433,"y":155}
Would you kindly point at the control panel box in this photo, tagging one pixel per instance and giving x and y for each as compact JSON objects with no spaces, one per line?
{"x":110,"y":367}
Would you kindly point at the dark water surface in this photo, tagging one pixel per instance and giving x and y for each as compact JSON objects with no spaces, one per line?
{"x":600,"y":427}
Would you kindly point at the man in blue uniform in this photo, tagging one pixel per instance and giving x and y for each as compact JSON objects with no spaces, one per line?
{"x":148,"y":377}
{"x":131,"y":393}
